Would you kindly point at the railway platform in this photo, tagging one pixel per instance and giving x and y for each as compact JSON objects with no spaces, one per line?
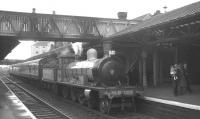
{"x":11,"y":107}
{"x":165,"y":92}
{"x":161,"y":102}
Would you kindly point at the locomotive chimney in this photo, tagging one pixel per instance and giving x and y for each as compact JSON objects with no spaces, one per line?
{"x":122,"y":15}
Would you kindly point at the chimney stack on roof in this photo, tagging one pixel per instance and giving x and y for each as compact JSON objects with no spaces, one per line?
{"x":122,"y":15}
{"x":54,"y":12}
{"x":33,"y":10}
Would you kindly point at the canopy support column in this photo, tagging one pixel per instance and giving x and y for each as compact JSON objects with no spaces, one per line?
{"x":155,"y":68}
{"x":144,"y":68}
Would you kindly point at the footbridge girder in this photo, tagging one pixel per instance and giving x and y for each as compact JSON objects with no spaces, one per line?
{"x":52,"y":27}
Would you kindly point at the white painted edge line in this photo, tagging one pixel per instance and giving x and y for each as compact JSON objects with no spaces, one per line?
{"x":174,"y":103}
{"x":24,"y":107}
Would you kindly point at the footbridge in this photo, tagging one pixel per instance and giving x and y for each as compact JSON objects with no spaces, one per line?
{"x":15,"y":26}
{"x":52,"y":27}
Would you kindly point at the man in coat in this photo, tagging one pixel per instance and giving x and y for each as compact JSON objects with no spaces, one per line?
{"x":173,"y":72}
{"x":186,"y":75}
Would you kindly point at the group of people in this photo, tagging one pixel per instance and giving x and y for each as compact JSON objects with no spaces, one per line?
{"x":179,"y":73}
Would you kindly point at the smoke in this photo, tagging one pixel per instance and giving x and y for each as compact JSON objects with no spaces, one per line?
{"x":64,"y":52}
{"x":77,"y":47}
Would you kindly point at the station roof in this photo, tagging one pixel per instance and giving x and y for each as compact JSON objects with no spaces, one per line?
{"x":160,"y":20}
{"x":41,"y":43}
{"x":57,"y":51}
{"x":143,"y":17}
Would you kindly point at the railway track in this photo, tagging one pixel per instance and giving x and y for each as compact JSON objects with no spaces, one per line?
{"x":40,"y":108}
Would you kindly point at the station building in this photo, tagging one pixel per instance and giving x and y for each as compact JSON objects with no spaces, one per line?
{"x":155,"y":44}
{"x":40,"y":47}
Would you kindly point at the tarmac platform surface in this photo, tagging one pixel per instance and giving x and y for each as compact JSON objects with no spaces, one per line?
{"x":166,"y":93}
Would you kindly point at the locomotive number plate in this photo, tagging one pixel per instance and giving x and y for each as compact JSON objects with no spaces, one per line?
{"x":122,"y":92}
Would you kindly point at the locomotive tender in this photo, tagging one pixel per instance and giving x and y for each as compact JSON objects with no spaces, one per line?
{"x":97,"y":83}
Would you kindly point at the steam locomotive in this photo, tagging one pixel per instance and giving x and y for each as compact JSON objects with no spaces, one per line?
{"x":98,"y":83}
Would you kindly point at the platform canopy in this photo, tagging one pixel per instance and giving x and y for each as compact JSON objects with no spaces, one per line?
{"x":182,"y":24}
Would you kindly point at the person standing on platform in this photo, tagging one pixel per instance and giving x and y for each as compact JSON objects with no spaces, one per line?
{"x":181,"y":77}
{"x":173,"y":72}
{"x":186,"y":75}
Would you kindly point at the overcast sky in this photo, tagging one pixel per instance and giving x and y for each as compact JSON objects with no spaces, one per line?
{"x":92,"y":8}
